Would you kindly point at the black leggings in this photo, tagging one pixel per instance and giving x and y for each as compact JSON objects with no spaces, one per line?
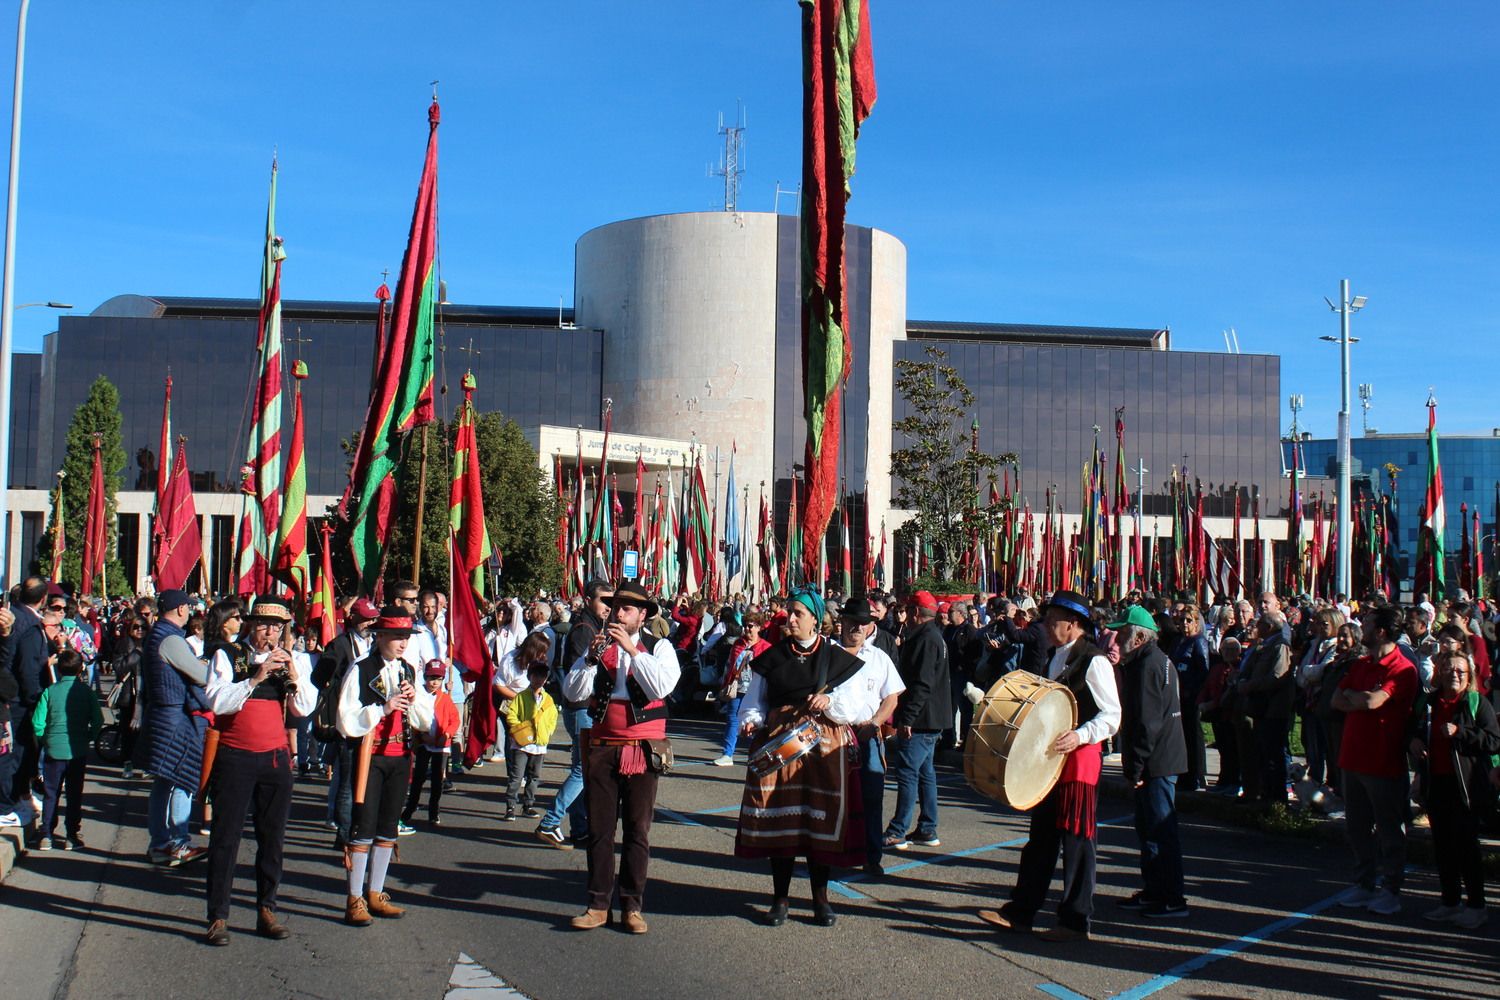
{"x":781,"y":877}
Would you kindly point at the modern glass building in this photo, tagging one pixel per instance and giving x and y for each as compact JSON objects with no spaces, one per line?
{"x":1471,"y":475}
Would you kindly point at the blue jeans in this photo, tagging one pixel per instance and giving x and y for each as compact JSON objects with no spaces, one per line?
{"x":568,"y":800}
{"x":732,"y":726}
{"x":167,"y":813}
{"x":872,"y":787}
{"x":1156,"y":828}
{"x":916,"y":778}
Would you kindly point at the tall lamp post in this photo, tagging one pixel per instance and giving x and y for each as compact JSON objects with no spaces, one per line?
{"x":7,"y":294}
{"x":1345,"y":307}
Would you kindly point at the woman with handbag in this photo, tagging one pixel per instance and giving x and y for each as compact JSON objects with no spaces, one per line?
{"x":737,"y":682}
{"x":809,"y":806}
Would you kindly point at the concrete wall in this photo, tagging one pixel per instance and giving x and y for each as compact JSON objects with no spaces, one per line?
{"x":887,"y":325}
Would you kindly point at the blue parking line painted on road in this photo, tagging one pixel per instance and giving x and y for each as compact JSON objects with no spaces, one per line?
{"x":677,"y":817}
{"x":719,"y":811}
{"x":1060,"y":991}
{"x":1239,"y":944}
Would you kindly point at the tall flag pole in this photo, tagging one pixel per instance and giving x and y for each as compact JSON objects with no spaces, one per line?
{"x":1431,"y":572}
{"x":795,"y":571}
{"x":261,"y":473}
{"x":292,"y":562}
{"x":733,"y":558}
{"x":163,"y":477}
{"x":402,"y":399}
{"x":846,"y":555}
{"x":95,"y":531}
{"x":60,"y":534}
{"x":1122,"y":508}
{"x":324,"y":603}
{"x":471,"y":548}
{"x":181,"y":547}
{"x":838,"y":93}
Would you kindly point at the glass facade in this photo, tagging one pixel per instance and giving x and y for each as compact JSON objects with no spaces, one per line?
{"x":1471,"y":474}
{"x":1214,"y":414}
{"x":25,"y":403}
{"x":531,"y":373}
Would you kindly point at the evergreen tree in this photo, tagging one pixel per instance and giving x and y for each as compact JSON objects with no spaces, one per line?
{"x":99,"y":413}
{"x":939,"y":472}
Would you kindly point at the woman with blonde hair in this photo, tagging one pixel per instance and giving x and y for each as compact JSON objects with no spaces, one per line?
{"x":1309,"y":679}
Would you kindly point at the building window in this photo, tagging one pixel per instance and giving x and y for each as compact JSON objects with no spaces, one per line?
{"x":1411,"y":458}
{"x":1468,"y":483}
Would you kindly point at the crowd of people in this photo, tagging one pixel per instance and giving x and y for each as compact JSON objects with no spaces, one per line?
{"x":223,"y":704}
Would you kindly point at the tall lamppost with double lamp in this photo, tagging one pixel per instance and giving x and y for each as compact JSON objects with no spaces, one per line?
{"x":1345,"y":307}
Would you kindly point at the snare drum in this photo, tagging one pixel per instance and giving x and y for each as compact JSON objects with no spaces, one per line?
{"x":793,"y":744}
{"x":1009,"y":755}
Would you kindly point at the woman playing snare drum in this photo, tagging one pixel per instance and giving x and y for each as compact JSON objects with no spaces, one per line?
{"x":811,"y":806}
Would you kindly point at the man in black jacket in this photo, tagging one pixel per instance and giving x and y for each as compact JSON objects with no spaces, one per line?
{"x":1153,"y":753}
{"x":924,"y":711}
{"x":598,"y":596}
{"x":29,"y":662}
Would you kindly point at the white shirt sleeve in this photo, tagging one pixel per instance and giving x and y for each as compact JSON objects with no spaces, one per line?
{"x":305,"y":699}
{"x":657,"y":672}
{"x":1101,"y":681}
{"x":753,"y":707}
{"x":423,"y":709}
{"x":355,"y":720}
{"x":846,"y":705}
{"x":225,"y":696}
{"x":578,"y":682}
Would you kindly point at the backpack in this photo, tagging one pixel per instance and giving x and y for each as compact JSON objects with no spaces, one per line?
{"x":326,"y":713}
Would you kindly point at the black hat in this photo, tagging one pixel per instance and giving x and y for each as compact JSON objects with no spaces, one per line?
{"x":856,"y":610}
{"x":633,"y":593}
{"x":1073,"y":603}
{"x":270,"y":608}
{"x":171,"y":600}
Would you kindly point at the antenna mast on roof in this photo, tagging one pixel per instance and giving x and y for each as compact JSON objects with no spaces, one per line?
{"x":732,"y":159}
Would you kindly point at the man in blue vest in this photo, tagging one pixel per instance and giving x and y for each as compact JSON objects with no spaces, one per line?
{"x":172,"y":686}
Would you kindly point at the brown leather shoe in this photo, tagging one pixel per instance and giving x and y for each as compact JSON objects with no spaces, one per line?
{"x":267,"y":926}
{"x":356,"y":914}
{"x":380,"y":906}
{"x":634,"y":922}
{"x":1060,"y":934}
{"x":589,"y":919}
{"x":218,"y":934}
{"x":997,"y":918}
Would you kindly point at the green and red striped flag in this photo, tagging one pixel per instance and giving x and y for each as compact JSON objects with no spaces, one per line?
{"x":1431,"y":576}
{"x":471,"y":537}
{"x":261,"y":473}
{"x":403,"y":385}
{"x":324,"y":605}
{"x":796,"y":572}
{"x":838,"y":92}
{"x":292,"y":563}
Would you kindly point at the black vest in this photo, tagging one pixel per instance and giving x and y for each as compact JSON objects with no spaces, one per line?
{"x":273,"y":688}
{"x":604,"y":692}
{"x":369,"y":669}
{"x":1075,"y":676}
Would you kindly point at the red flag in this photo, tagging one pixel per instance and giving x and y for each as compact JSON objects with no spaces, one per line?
{"x":95,"y":531}
{"x":469,"y":650}
{"x":181,"y":542}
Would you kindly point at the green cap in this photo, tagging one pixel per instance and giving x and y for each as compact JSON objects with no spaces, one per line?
{"x":1136,"y":616}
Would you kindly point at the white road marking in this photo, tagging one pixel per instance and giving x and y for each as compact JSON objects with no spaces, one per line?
{"x":472,"y":981}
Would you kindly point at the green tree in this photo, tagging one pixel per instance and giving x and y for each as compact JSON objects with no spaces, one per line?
{"x":519,"y":507}
{"x":99,"y":413}
{"x":938,"y":470}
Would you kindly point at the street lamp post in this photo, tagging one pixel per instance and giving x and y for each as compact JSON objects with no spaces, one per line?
{"x":1346,"y":308}
{"x":7,"y":293}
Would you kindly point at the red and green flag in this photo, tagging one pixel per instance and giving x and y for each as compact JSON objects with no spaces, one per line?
{"x":322,"y":615}
{"x":95,"y":529}
{"x":180,"y":543}
{"x":292,"y":561}
{"x":60,"y":535}
{"x":261,"y":473}
{"x":838,"y":92}
{"x":466,"y":498}
{"x":1431,"y":575}
{"x":402,"y":398}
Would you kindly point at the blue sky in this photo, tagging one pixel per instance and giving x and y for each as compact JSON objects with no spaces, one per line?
{"x":1142,"y":164}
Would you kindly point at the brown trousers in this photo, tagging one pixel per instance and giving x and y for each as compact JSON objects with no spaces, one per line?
{"x":629,"y":802}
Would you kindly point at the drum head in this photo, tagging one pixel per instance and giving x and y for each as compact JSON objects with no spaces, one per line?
{"x":1031,"y":767}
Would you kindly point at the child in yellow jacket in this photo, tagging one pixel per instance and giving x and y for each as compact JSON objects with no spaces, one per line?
{"x":530,"y":719}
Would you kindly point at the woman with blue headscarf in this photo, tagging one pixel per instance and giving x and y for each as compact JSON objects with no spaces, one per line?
{"x":811,"y":807}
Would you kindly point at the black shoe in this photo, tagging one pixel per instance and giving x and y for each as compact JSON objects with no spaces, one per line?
{"x":776,"y":916}
{"x":873,"y":870}
{"x":509,"y":817}
{"x":434,"y":821}
{"x":1166,"y":911}
{"x":1136,"y":901}
{"x":823,"y":915}
{"x":448,"y":786}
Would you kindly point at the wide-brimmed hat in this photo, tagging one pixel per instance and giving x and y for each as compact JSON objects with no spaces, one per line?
{"x":1073,"y":603}
{"x":393,"y":621}
{"x":857,"y":611}
{"x":634,"y":594}
{"x":270,"y":608}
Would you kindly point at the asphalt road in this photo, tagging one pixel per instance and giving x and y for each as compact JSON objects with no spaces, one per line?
{"x":103,"y":923}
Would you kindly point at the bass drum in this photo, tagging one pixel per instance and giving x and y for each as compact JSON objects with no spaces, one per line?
{"x":1009,"y":756}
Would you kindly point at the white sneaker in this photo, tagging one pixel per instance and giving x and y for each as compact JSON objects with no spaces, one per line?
{"x":1385,"y":903}
{"x":10,"y":819}
{"x":1471,"y":918}
{"x":1441,"y":914}
{"x":723,"y":762}
{"x":1357,"y":896}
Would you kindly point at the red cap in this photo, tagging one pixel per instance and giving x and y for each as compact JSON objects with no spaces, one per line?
{"x":943,"y":607}
{"x":364,"y":610}
{"x":924,"y":599}
{"x":435,"y":669}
